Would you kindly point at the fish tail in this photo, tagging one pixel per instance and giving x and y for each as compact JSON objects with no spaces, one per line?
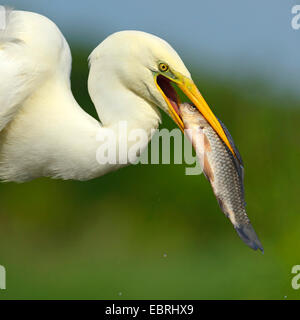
{"x":248,"y":235}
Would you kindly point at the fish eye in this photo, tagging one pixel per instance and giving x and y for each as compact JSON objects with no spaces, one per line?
{"x":163,"y":67}
{"x":192,"y":108}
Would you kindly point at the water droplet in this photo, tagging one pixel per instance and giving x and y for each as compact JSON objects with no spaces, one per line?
{"x":285,"y":297}
{"x":164,"y":255}
{"x":119,"y":294}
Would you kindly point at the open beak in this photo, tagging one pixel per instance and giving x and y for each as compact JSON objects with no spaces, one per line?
{"x":188,"y":87}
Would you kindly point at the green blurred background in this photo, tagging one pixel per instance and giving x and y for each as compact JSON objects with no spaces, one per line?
{"x":150,"y":231}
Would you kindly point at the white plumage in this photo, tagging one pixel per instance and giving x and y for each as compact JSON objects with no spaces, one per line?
{"x":44,"y":132}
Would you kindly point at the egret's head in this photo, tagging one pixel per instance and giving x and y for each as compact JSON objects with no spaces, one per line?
{"x":149,"y":67}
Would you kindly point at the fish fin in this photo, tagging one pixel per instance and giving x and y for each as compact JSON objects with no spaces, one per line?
{"x":240,"y":170}
{"x":207,"y":146}
{"x":248,"y":235}
{"x":207,"y":170}
{"x":222,"y":206}
{"x":234,"y":147}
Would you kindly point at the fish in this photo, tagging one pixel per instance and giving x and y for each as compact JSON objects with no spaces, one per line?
{"x":222,"y":168}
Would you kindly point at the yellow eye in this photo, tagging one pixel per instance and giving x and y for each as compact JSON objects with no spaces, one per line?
{"x":163,"y":67}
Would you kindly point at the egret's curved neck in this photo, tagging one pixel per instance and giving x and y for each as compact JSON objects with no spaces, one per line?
{"x":115,"y":102}
{"x":53,"y":136}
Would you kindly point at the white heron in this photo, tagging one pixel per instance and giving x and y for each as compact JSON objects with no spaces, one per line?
{"x":44,"y":132}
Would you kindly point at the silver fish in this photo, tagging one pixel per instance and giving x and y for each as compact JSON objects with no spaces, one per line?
{"x":222,"y":169}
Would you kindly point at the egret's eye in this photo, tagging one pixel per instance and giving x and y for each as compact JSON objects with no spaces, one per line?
{"x":163,"y":67}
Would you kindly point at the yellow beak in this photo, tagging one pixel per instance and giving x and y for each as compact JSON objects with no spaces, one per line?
{"x":189,"y":88}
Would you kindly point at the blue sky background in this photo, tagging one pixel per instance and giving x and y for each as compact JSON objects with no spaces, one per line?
{"x":247,"y":38}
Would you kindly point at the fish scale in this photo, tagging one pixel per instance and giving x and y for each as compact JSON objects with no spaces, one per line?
{"x":223,"y":170}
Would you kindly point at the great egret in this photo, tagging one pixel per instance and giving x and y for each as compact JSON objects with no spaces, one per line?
{"x":44,"y":132}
